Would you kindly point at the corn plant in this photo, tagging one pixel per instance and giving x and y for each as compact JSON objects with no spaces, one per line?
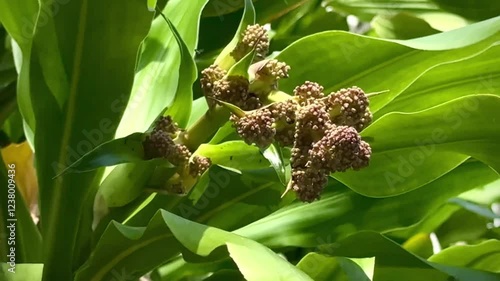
{"x":250,"y":140}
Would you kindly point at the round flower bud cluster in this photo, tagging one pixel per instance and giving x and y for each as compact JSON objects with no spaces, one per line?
{"x":326,"y":137}
{"x":208,"y":77}
{"x":160,"y":143}
{"x":254,"y":36}
{"x":308,"y":93}
{"x":234,"y":90}
{"x":350,"y":107}
{"x":198,"y":165}
{"x":256,"y":127}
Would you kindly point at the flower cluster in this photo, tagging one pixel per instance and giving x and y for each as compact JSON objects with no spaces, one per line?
{"x":322,"y":130}
{"x":254,"y":36}
{"x":161,"y":143}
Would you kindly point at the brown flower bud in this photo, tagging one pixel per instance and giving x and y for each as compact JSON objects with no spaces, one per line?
{"x":349,"y":107}
{"x":198,"y":165}
{"x":308,"y":92}
{"x":256,"y":127}
{"x":308,"y":183}
{"x":253,"y":36}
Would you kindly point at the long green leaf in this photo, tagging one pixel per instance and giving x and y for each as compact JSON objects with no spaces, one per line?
{"x":124,"y":150}
{"x":234,"y":154}
{"x":343,"y":212}
{"x":321,"y":267}
{"x":23,"y":272}
{"x":394,"y":263}
{"x":169,"y":231}
{"x":21,"y":31}
{"x":406,"y":146}
{"x":180,"y":108}
{"x":360,"y":61}
{"x":477,"y":74}
{"x":76,"y":93}
{"x":482,"y":256}
{"x":157,"y":75}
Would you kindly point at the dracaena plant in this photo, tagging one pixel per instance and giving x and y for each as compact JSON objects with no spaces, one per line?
{"x":250,"y":140}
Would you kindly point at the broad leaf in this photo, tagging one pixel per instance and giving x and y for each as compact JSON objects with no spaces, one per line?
{"x":22,"y":33}
{"x":234,"y":154}
{"x":360,"y":61}
{"x":407,"y":147}
{"x":444,"y":82}
{"x":483,"y":256}
{"x":23,"y":272}
{"x":74,"y":92}
{"x":124,"y":150}
{"x":321,"y":267}
{"x":343,"y":212}
{"x":157,"y":71}
{"x":174,"y":233}
{"x":394,"y":263}
{"x":180,"y":109}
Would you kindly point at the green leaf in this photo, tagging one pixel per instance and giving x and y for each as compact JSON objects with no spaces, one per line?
{"x":225,"y":60}
{"x":401,"y":26}
{"x":408,"y":147}
{"x":394,"y":263}
{"x":157,"y":72}
{"x":367,"y":9}
{"x":254,"y":260}
{"x":180,"y":108}
{"x":21,"y":31}
{"x":444,"y":82}
{"x":124,"y":150}
{"x":126,"y":182}
{"x":240,"y":68}
{"x":472,"y":9}
{"x":475,"y":208}
{"x":274,"y":154}
{"x":363,"y":60}
{"x":23,"y":272}
{"x":234,"y":154}
{"x":151,"y":5}
{"x":75,"y":91}
{"x":482,"y":256}
{"x":232,"y":108}
{"x":322,"y":267}
{"x":342,"y":211}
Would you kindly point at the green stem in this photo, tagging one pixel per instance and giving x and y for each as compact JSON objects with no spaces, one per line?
{"x":276,"y":96}
{"x":205,"y":127}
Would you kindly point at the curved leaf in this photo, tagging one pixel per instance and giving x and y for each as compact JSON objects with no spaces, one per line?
{"x":343,"y":211}
{"x":22,"y":33}
{"x":234,"y":154}
{"x":472,"y":9}
{"x":74,"y":92}
{"x":483,"y":256}
{"x":321,"y":267}
{"x":477,"y":74}
{"x":408,"y":147}
{"x":169,"y":232}
{"x":157,"y":75}
{"x":180,"y":109}
{"x":124,"y":150}
{"x":347,"y":59}
{"x":394,"y":263}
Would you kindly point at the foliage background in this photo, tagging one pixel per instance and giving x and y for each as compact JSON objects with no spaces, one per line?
{"x":75,"y":74}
